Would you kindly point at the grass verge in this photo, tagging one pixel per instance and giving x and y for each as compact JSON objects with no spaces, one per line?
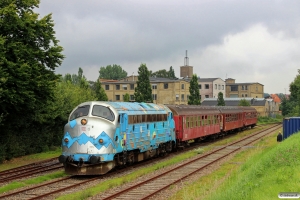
{"x":15,"y":185}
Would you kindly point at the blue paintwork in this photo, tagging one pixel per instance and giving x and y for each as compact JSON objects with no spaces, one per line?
{"x":142,"y":136}
{"x":290,"y":126}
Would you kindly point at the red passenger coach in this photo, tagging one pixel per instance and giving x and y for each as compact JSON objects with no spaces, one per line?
{"x":250,"y":116}
{"x":232,"y":118}
{"x":195,"y":122}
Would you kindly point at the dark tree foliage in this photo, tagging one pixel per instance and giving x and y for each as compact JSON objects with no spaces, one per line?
{"x":221,"y":101}
{"x":172,"y":73}
{"x":143,"y":91}
{"x":244,"y":102}
{"x":114,"y":72}
{"x":29,"y":55}
{"x":126,"y":97}
{"x":100,"y":92}
{"x":164,"y":73}
{"x":194,"y":98}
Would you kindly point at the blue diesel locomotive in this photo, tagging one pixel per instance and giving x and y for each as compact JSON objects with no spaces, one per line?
{"x":102,"y":135}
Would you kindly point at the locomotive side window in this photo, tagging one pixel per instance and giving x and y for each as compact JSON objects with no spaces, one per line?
{"x":80,"y":112}
{"x":104,"y":112}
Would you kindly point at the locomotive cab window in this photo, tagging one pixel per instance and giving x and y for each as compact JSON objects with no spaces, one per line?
{"x":104,"y":112}
{"x":80,"y":112}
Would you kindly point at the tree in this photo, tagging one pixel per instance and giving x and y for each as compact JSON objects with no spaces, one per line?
{"x":295,"y":94}
{"x":244,"y":102}
{"x":99,"y":91}
{"x":29,"y":56}
{"x":143,"y":91}
{"x":160,"y":73}
{"x":114,"y":72}
{"x":172,"y":73}
{"x":194,"y":98}
{"x":126,"y":97}
{"x":221,"y":101}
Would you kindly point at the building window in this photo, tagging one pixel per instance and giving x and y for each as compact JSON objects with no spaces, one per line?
{"x":154,"y":96}
{"x":206,"y":86}
{"x":166,"y":85}
{"x":187,"y":97}
{"x":246,"y":87}
{"x":177,"y":97}
{"x":182,"y":97}
{"x":246,"y":95}
{"x":182,"y":86}
{"x":216,"y":87}
{"x":132,"y":86}
{"x":117,"y":87}
{"x":131,"y":97}
{"x":234,"y":88}
{"x":154,"y":87}
{"x":219,"y":87}
{"x":199,"y":86}
{"x":206,"y":96}
{"x":242,"y":87}
{"x":242,"y":95}
{"x":106,"y":87}
{"x":256,"y":88}
{"x":124,"y":87}
{"x":222,"y":87}
{"x":118,"y":97}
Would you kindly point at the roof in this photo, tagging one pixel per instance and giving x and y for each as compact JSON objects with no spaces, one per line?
{"x":234,"y":101}
{"x":276,"y":98}
{"x":243,"y":83}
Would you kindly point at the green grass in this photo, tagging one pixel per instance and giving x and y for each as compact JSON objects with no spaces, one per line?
{"x":269,"y":120}
{"x":33,"y":181}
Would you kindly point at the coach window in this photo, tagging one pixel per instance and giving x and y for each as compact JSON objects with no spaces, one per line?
{"x":104,"y":112}
{"x":196,"y":121}
{"x":187,"y":122}
{"x":199,"y":121}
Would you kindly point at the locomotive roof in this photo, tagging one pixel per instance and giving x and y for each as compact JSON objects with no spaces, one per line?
{"x":133,"y":108}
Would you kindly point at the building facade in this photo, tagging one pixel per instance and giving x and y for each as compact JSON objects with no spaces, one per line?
{"x":164,"y":90}
{"x":240,"y":90}
{"x":210,"y":87}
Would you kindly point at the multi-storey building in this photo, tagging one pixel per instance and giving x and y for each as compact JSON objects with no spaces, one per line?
{"x":164,"y":90}
{"x":240,"y":90}
{"x":210,"y":87}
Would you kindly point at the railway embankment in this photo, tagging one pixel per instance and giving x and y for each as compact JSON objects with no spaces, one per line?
{"x":263,"y":172}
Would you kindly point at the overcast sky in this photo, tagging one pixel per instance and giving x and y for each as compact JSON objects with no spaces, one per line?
{"x":249,"y":41}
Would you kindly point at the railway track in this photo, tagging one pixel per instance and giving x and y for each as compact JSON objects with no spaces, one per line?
{"x":71,"y":182}
{"x":29,"y":170}
{"x":149,"y":187}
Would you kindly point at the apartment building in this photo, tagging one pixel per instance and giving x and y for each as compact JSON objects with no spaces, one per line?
{"x":240,"y":90}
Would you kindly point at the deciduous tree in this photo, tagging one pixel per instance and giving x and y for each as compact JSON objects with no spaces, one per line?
{"x":194,"y":98}
{"x":143,"y":91}
{"x":114,"y":72}
{"x":221,"y":101}
{"x":244,"y":102}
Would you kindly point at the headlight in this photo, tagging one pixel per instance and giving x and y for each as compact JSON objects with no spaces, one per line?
{"x":83,"y":121}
